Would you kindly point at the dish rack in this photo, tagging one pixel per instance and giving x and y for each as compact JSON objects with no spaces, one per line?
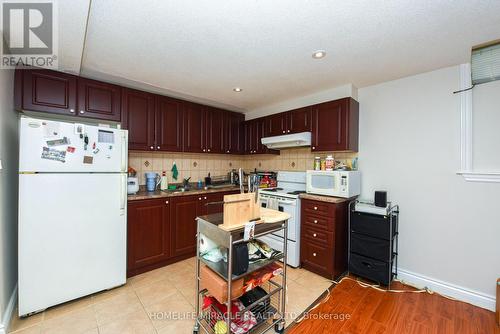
{"x":269,"y":310}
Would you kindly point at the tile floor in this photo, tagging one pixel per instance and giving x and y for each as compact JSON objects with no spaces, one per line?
{"x":127,"y":309}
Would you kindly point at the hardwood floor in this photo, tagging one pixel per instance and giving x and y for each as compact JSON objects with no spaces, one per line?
{"x":352,"y":308}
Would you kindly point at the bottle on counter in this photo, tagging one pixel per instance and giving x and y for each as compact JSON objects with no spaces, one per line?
{"x":329,"y":162}
{"x":317,"y":163}
{"x":323,"y":164}
{"x":164,"y":181}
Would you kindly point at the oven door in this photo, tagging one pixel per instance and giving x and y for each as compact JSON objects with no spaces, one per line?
{"x":288,"y":206}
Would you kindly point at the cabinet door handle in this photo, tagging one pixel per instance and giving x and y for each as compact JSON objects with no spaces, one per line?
{"x":315,"y":221}
{"x":152,"y":147}
{"x":315,"y":208}
{"x":203,"y":150}
{"x":72,"y":111}
{"x":82,"y":112}
{"x":288,"y":131}
{"x":208,"y":150}
{"x":314,"y":147}
{"x":157,"y":147}
{"x":314,"y":235}
{"x":199,"y":198}
{"x":283,"y":131}
{"x":205,"y":197}
{"x":166,"y":202}
{"x":314,"y":254}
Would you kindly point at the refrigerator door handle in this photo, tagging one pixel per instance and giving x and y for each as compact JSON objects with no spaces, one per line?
{"x":123,"y":193}
{"x":124,"y":151}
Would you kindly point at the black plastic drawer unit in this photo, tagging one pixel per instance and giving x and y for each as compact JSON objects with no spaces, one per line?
{"x":375,"y":270}
{"x":376,"y":248}
{"x":373,"y":225}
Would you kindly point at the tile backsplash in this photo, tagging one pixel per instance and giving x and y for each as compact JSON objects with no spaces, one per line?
{"x":197,"y":166}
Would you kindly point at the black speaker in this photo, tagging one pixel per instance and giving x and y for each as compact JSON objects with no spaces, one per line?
{"x":381,"y":198}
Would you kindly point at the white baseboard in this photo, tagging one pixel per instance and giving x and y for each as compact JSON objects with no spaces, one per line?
{"x":451,"y":290}
{"x":7,"y":315}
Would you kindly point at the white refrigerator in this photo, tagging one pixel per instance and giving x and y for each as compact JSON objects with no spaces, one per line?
{"x":72,"y":211}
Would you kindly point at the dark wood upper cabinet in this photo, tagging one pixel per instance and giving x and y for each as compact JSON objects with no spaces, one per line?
{"x":299,"y":120}
{"x":138,"y":117}
{"x":99,"y":100}
{"x":233,"y":139}
{"x":335,"y":125}
{"x":148,"y":233}
{"x":184,"y":211}
{"x":168,"y":124}
{"x":276,"y":124}
{"x":194,"y":133}
{"x":213,"y":125}
{"x":47,"y":91}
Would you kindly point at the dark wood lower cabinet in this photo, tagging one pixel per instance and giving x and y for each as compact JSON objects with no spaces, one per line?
{"x":323,"y":237}
{"x":148,"y":234}
{"x":185,"y":209}
{"x":163,"y":231}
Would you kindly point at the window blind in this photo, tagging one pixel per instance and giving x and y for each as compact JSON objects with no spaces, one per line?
{"x":486,"y":64}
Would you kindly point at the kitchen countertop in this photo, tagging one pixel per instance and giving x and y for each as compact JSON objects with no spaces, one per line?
{"x":141,"y":194}
{"x":323,"y":198}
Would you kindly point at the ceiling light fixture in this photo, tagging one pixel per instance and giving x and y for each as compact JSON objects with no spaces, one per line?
{"x":237,"y":89}
{"x":319,"y":54}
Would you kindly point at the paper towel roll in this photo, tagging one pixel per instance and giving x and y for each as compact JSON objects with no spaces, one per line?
{"x":206,"y":244}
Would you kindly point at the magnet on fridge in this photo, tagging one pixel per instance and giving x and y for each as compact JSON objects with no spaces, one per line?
{"x":96,"y":151}
{"x":79,"y":129}
{"x":93,"y":146}
{"x":86,"y":141}
{"x":87,"y":159}
{"x":71,"y":149}
{"x":108,"y":156}
{"x":110,"y":147}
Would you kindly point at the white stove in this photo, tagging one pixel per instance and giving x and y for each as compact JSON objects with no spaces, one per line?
{"x":285,"y":198}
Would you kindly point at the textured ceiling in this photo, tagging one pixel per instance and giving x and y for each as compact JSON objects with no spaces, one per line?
{"x":204,"y":48}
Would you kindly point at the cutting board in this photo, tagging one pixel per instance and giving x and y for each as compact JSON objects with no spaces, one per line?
{"x":239,"y":209}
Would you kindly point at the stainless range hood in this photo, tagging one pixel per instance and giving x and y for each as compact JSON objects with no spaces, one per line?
{"x":287,"y":141}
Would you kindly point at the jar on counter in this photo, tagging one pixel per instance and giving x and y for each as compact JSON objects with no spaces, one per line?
{"x":317,"y":163}
{"x":330,"y":162}
{"x":323,"y":164}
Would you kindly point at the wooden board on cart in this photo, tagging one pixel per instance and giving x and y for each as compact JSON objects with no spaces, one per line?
{"x":239,"y":209}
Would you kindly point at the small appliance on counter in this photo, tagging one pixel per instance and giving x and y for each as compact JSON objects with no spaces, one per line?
{"x":338,"y":183}
{"x":132,"y":185}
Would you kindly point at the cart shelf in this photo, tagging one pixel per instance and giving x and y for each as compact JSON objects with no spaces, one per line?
{"x":276,"y":290}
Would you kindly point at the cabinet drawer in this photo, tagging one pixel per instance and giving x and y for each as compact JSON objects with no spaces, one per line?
{"x":318,"y":235}
{"x":317,"y":207}
{"x":373,"y":225}
{"x":376,"y":248}
{"x":317,"y":258}
{"x":371,"y":269}
{"x":317,"y":221}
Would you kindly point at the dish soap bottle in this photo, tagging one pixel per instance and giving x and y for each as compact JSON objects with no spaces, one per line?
{"x":164,"y":181}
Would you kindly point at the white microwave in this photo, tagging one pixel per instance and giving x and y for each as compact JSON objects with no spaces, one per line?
{"x":338,"y":183}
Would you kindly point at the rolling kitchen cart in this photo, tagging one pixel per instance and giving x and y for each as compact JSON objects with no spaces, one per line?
{"x":272,"y":303}
{"x":373,"y":243}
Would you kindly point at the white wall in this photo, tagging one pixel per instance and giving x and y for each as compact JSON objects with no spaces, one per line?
{"x":410,"y":146}
{"x":8,"y":195}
